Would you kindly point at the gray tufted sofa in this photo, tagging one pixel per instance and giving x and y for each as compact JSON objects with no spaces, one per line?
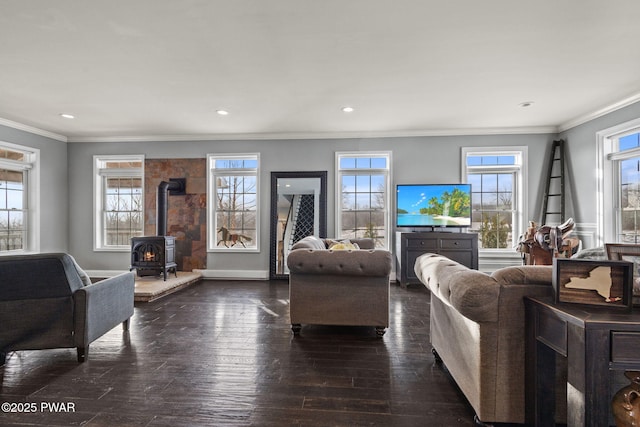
{"x":46,"y":301}
{"x":338,"y":287}
{"x":477,"y":329}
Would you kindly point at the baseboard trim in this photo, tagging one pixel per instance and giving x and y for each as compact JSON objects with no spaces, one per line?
{"x":206,"y":274}
{"x":234,"y":274}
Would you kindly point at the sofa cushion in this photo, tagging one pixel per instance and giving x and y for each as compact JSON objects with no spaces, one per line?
{"x":598,"y":253}
{"x":355,"y":263}
{"x":343,"y":246}
{"x":364,"y":242}
{"x":55,"y":276}
{"x":309,"y":242}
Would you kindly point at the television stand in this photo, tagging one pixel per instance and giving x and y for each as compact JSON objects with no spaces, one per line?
{"x":432,"y":229}
{"x":460,"y":247}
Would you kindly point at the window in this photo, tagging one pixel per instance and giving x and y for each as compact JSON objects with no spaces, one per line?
{"x":619,"y":184}
{"x":363,"y":195}
{"x":233,"y":202}
{"x":18,"y":198}
{"x":119,"y":200}
{"x":497,"y":194}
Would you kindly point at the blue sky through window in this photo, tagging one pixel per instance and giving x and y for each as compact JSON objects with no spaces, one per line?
{"x":628,"y":142}
{"x":490,"y":160}
{"x":236,"y":164}
{"x":363,"y":163}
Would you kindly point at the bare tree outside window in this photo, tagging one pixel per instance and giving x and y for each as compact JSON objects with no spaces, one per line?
{"x":119,"y":185}
{"x":629,"y":193}
{"x":364,"y":199}
{"x":236,"y":202}
{"x":496,"y":175}
{"x":123,"y":210}
{"x":492,"y":209}
{"x":236,"y":210}
{"x":12,"y":210}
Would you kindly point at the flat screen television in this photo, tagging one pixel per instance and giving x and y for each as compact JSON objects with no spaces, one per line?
{"x":433,"y":205}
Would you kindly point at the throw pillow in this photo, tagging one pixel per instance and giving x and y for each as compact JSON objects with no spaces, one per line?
{"x":345,"y":245}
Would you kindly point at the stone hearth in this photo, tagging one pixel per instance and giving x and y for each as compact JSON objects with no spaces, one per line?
{"x":150,"y":288}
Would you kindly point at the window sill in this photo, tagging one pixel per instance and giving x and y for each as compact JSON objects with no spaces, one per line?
{"x":233,"y":250}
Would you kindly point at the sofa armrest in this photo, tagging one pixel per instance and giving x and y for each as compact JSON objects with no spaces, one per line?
{"x":524,"y":275}
{"x":348,"y":263}
{"x":471,"y":292}
{"x":101,"y":306}
{"x":479,"y":296}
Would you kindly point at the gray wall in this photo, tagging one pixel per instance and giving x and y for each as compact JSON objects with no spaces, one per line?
{"x":54,"y":218}
{"x":581,"y":160}
{"x":415,"y":159}
{"x":67,"y":195}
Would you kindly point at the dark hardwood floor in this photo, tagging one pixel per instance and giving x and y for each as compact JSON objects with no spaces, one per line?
{"x":222,"y":353}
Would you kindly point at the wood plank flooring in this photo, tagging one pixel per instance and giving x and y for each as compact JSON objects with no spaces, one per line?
{"x":221,"y":353}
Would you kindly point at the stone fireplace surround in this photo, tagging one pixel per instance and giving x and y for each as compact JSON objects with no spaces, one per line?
{"x":186,"y":215}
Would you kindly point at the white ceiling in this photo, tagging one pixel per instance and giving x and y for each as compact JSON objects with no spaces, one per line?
{"x":156,"y":69}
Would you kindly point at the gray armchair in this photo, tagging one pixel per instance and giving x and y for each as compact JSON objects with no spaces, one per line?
{"x":45,"y":304}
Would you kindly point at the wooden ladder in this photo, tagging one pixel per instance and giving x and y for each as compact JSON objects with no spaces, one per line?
{"x":553,"y":203}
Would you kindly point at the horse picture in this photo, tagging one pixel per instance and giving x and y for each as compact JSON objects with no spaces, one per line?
{"x":234,"y":238}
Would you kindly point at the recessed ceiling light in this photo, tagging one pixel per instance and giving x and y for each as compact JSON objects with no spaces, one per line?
{"x":222,"y":112}
{"x":347,"y":109}
{"x":526,"y":104}
{"x":67,"y":116}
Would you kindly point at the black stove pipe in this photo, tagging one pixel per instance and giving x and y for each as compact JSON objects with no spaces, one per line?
{"x":163,"y":203}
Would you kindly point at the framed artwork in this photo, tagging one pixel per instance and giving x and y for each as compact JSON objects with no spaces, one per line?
{"x":593,"y":282}
{"x":627,"y":252}
{"x":624,"y":252}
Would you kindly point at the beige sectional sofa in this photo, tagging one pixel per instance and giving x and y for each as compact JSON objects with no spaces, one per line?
{"x":477,"y":330}
{"x":338,"y":287}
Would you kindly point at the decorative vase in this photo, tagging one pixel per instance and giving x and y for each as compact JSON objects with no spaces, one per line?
{"x":626,"y":402}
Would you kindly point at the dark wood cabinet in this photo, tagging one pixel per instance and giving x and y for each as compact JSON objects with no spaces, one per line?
{"x":597,"y":342}
{"x":460,"y":247}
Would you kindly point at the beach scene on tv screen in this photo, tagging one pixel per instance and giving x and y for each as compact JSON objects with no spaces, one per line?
{"x":433,"y":206}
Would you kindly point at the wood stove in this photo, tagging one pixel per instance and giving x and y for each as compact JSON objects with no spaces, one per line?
{"x":153,"y":255}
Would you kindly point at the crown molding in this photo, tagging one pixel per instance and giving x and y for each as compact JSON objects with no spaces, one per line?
{"x":331,"y":135}
{"x":32,"y":129}
{"x":599,"y":113}
{"x":315,"y":135}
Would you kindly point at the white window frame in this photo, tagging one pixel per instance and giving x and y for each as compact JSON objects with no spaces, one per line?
{"x":99,"y":175}
{"x":608,"y":185}
{"x":212,"y":235}
{"x":520,"y":187}
{"x":30,"y":165}
{"x":388,"y":201}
